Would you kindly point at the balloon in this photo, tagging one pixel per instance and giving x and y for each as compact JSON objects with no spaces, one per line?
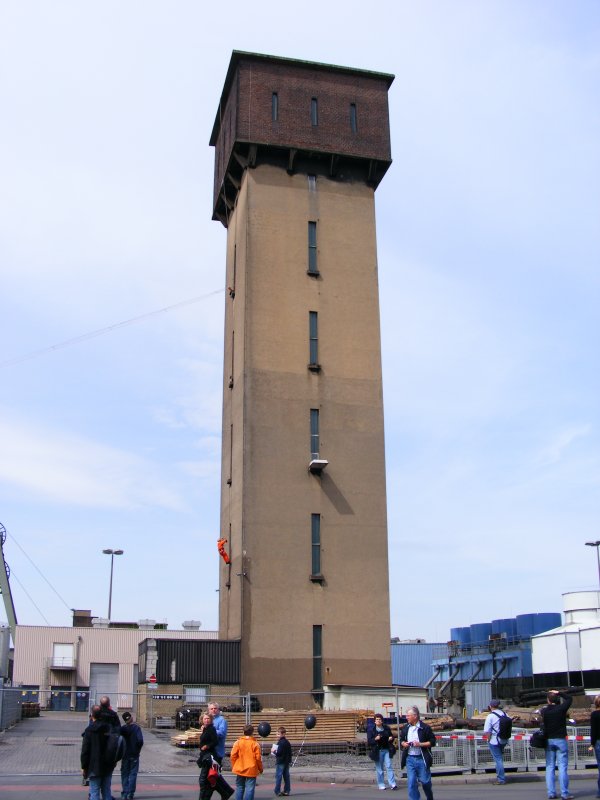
{"x":264,"y":729}
{"x":310,"y":721}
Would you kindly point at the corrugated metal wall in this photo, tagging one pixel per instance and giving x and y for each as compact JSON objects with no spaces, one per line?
{"x":34,"y":647}
{"x":198,"y":662}
{"x":411,"y":663}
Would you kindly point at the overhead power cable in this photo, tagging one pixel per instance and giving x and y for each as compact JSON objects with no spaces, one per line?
{"x":12,"y":538}
{"x":101,"y":331}
{"x":13,"y":576}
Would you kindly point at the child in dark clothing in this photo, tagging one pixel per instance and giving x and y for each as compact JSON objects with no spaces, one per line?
{"x":283,"y":759}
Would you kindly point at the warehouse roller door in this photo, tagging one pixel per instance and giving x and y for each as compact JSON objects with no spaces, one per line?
{"x":104,"y":679}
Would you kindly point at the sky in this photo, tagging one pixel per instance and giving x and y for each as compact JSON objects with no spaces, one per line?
{"x":112,"y":298}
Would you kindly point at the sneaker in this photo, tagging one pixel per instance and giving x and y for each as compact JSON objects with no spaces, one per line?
{"x":382,"y":788}
{"x":567,"y":797}
{"x":500,"y":783}
{"x":551,"y":797}
{"x":395,"y":788}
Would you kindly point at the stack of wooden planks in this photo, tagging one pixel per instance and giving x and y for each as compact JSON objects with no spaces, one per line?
{"x":331,"y":726}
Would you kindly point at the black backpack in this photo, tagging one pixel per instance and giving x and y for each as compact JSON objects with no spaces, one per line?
{"x":114,"y":748}
{"x":504,"y":725}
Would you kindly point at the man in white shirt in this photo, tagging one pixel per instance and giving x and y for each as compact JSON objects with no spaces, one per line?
{"x":416,"y":740}
{"x":495,"y":743}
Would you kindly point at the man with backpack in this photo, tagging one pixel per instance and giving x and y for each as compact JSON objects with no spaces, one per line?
{"x":97,"y":760}
{"x":498,"y":727}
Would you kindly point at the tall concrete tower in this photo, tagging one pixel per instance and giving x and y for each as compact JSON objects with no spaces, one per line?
{"x":299,"y":149}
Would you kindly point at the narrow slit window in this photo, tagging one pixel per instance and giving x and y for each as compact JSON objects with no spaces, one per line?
{"x":353,"y":118}
{"x":232,"y":359}
{"x":314,"y":433}
{"x":274,"y":106}
{"x":234,"y":267}
{"x":312,"y":248}
{"x":314,"y":111}
{"x":317,"y":657}
{"x":230,"y":478}
{"x":313,"y":336}
{"x":316,"y":544}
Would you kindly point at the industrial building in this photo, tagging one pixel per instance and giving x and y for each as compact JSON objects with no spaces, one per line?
{"x":569,"y":654}
{"x":300,"y":148}
{"x":64,"y":668}
{"x":497,"y":653}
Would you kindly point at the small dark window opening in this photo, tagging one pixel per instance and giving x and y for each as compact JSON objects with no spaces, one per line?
{"x":274,"y":106}
{"x":314,"y":111}
{"x":312,"y":248}
{"x":353,"y":118}
{"x":313,"y":338}
{"x":314,"y":433}
{"x":317,"y":657}
{"x":316,"y":544}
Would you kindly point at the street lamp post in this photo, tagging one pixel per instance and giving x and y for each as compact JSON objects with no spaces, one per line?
{"x":597,"y":546}
{"x":112,"y":554}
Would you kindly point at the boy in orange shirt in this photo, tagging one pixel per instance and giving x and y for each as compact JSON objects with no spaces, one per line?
{"x":246,"y":764}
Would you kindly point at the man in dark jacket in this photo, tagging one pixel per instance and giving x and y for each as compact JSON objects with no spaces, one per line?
{"x":94,"y":765}
{"x":416,"y":740}
{"x":134,"y":741}
{"x":107,"y":714}
{"x":283,"y":759}
{"x":554,"y":720}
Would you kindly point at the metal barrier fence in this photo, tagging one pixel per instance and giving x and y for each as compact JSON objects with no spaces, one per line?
{"x":518,"y":753}
{"x":10,"y":707}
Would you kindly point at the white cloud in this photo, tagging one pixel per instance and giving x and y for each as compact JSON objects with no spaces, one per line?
{"x":57,"y":466}
{"x":556,"y":449}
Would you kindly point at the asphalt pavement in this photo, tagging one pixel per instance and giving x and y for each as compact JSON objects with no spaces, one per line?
{"x":40,"y":757}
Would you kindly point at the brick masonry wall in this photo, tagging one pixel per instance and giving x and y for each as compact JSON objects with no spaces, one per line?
{"x":247,"y":115}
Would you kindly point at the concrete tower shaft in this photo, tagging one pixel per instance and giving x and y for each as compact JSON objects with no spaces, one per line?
{"x":307,"y":589}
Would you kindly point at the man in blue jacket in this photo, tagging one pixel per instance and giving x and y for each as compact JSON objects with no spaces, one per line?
{"x":220,"y":724}
{"x":134,"y":741}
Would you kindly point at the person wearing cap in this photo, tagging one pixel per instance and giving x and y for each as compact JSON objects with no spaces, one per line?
{"x":130,"y":764}
{"x":495,"y":743}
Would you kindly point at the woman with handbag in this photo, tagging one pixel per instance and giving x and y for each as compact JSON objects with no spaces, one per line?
{"x":381,"y":748}
{"x":210,"y":771}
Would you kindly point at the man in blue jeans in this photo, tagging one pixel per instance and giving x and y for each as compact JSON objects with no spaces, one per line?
{"x":416,"y":740}
{"x":495,"y":743}
{"x":554,"y":721}
{"x":134,"y":741}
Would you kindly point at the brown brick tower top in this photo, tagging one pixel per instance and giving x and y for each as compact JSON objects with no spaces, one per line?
{"x":302,"y":115}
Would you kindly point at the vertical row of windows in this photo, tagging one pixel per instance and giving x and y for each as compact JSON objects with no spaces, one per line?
{"x":314,"y":112}
{"x":313,"y":358}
